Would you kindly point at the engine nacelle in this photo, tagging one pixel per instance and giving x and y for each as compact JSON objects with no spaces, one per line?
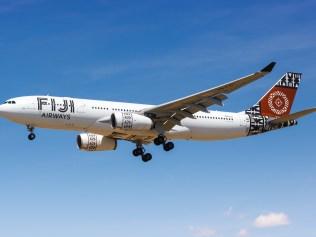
{"x":95,"y":142}
{"x":130,"y":121}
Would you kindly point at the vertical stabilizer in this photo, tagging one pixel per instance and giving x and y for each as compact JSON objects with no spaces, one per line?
{"x":278,"y":100}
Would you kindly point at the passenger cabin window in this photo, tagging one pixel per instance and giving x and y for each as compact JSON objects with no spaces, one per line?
{"x":114,"y":109}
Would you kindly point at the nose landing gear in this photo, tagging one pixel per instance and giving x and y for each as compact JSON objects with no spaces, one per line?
{"x":32,"y":135}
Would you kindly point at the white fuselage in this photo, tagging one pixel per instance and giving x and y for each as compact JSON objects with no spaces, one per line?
{"x":93,"y":116}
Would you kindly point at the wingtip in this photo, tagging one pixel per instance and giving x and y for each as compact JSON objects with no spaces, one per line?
{"x":269,"y":67}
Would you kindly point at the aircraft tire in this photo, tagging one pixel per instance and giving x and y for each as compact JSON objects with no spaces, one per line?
{"x":138,"y":152}
{"x":168,"y":146}
{"x":160,"y":139}
{"x":146,"y":157}
{"x":31,"y":136}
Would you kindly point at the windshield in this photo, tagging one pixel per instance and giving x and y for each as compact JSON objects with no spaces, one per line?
{"x":10,"y":102}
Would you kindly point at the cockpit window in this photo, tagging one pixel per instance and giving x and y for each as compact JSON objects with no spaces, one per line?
{"x":10,"y":102}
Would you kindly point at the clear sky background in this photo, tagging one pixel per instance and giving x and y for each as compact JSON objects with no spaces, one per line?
{"x":153,"y":52}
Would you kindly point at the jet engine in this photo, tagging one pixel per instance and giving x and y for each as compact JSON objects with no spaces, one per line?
{"x":130,"y":121}
{"x":95,"y":142}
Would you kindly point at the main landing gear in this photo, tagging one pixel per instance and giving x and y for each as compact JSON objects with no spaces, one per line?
{"x":161,"y":140}
{"x":140,"y":151}
{"x":32,"y":135}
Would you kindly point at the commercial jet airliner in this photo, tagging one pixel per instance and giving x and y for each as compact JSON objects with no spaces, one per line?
{"x":103,"y":123}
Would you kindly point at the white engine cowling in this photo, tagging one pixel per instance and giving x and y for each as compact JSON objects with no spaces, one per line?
{"x":95,"y":142}
{"x":130,"y":121}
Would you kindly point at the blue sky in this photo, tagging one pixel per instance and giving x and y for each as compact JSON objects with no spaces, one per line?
{"x":153,"y":52}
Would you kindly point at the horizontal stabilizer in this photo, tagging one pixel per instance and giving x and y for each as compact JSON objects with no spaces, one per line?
{"x":294,"y":116}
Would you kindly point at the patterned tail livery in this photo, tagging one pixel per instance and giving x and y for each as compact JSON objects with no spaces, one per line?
{"x":279,"y":99}
{"x":274,"y":104}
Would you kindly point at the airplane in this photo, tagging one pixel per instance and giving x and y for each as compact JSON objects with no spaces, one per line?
{"x":104,"y":123}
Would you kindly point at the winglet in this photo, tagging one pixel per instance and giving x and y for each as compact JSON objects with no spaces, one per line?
{"x":269,"y":67}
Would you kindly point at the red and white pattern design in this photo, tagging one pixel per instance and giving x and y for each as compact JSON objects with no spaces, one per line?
{"x":278,"y":102}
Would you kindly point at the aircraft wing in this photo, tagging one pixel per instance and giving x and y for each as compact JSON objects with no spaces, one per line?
{"x":294,"y":116}
{"x":169,"y":114}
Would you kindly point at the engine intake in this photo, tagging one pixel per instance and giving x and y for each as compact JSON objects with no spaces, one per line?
{"x":130,"y":121}
{"x":95,"y":142}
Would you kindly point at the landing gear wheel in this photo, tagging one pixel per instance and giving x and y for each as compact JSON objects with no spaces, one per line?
{"x":168,"y":146}
{"x":156,"y":142}
{"x":146,"y":157}
{"x":31,"y":136}
{"x":138,"y":151}
{"x":159,"y":140}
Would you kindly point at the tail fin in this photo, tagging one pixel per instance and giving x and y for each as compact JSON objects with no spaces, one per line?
{"x":278,"y":100}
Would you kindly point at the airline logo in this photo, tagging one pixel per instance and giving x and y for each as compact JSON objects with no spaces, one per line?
{"x":56,"y":111}
{"x":278,"y":102}
{"x":66,"y":106}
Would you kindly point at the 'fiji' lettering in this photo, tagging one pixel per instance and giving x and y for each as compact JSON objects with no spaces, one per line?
{"x":41,"y":102}
{"x":68,"y":105}
{"x":64,"y":108}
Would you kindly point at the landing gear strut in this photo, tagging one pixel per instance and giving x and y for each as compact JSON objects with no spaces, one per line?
{"x":161,"y":140}
{"x":140,"y":151}
{"x":32,"y":135}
